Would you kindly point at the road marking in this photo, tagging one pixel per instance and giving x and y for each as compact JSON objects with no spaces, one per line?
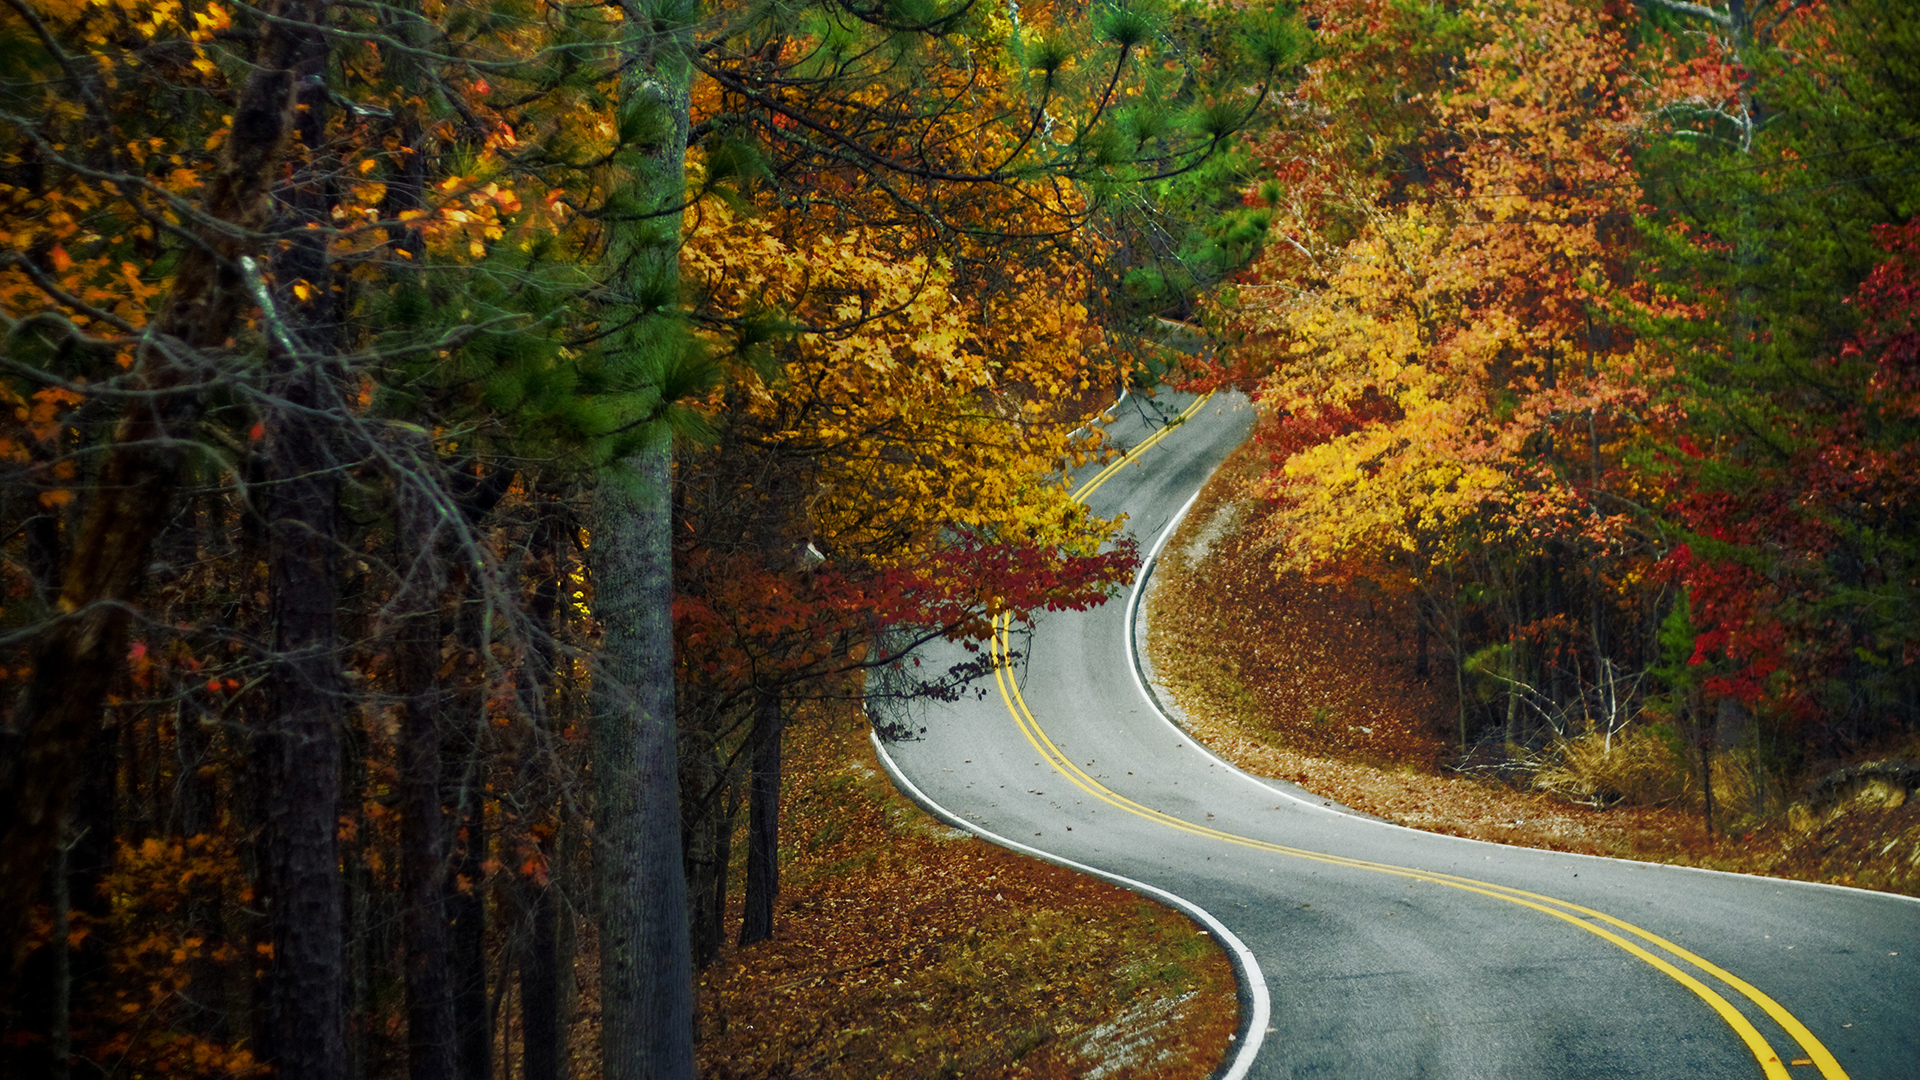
{"x":1573,"y":914}
{"x":1146,"y":444}
{"x":1252,"y":977}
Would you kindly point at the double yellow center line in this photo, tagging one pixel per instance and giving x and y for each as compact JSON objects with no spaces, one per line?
{"x":1597,"y":923}
{"x":1146,"y":444}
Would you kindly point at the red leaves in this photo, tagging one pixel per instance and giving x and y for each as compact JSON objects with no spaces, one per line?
{"x":1889,"y":298}
{"x":1764,"y":603}
{"x":743,"y":621}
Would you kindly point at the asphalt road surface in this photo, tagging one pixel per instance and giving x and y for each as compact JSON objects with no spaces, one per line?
{"x":1368,"y":950}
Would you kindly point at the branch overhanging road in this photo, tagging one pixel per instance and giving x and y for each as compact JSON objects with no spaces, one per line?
{"x":1368,"y":950}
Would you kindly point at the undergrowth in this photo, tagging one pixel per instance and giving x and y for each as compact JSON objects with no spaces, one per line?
{"x":1317,"y":684}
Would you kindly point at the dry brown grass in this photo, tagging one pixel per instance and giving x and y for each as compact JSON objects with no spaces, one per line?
{"x":1311,"y":683}
{"x":1638,"y":766}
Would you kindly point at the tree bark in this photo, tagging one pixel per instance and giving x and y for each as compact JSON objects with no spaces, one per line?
{"x":467,"y":917}
{"x":646,"y":969}
{"x":704,"y":779}
{"x":60,"y":711}
{"x":541,"y":1042}
{"x":763,"y":823}
{"x":423,"y":830}
{"x":299,"y":747}
{"x":543,"y":1038}
{"x":646,"y":965}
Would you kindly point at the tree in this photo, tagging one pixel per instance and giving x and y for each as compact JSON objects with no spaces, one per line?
{"x":330,"y":424}
{"x":1441,"y":332}
{"x":1776,"y":191}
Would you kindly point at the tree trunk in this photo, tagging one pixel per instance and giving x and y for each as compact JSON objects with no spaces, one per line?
{"x":467,"y":914}
{"x":543,"y":1038}
{"x":646,"y":969}
{"x":423,"y":830}
{"x":763,"y":823}
{"x":300,"y":744}
{"x":60,"y":712}
{"x":541,"y":1041}
{"x":704,"y":821}
{"x":646,"y":965}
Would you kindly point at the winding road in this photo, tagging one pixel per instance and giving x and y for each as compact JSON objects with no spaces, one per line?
{"x":1368,"y":950}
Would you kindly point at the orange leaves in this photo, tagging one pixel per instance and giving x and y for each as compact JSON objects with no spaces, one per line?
{"x":50,"y":405}
{"x":895,"y":364}
{"x":131,"y":1017}
{"x":1462,"y":310}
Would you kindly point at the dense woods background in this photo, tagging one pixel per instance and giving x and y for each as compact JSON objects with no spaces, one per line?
{"x":1589,"y":330}
{"x":443,"y":442}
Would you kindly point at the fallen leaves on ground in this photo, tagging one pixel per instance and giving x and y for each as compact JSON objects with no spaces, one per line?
{"x":1315,"y":683}
{"x":906,"y":949}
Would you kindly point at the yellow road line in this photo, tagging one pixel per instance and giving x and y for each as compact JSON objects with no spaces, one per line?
{"x":1146,"y":444}
{"x":1566,"y":911}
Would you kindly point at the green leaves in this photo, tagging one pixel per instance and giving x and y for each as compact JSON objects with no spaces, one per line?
{"x":1125,"y":26}
{"x":1048,"y":55}
{"x":1272,"y":39}
{"x":644,"y":123}
{"x":1217,"y":120}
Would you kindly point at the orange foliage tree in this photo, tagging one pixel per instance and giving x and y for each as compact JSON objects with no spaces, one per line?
{"x":1440,"y":332}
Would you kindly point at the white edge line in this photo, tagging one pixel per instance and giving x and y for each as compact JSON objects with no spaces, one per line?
{"x":1140,"y":682}
{"x":1088,"y":426}
{"x":1253,"y":1022}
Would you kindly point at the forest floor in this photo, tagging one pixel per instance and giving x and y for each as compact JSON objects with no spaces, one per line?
{"x":1316,"y":684}
{"x":903,"y":948}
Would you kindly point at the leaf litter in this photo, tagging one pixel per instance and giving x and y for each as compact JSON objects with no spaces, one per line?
{"x":904,"y":948}
{"x":1315,"y":683}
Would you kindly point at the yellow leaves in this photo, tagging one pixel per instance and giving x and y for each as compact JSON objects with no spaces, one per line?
{"x":209,"y":21}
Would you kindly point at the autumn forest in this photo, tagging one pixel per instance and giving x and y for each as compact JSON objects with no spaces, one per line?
{"x":449,"y":448}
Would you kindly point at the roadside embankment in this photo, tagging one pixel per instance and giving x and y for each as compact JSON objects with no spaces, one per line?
{"x":1318,"y":684}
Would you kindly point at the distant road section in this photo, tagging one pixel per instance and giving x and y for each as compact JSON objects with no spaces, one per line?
{"x":1388,"y":953}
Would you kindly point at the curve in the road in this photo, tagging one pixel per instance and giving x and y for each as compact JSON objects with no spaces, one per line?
{"x":1253,"y":982}
{"x":1637,"y":942}
{"x":1246,"y":968}
{"x":1571,"y":913}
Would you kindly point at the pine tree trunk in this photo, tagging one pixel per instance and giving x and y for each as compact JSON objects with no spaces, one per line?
{"x":763,"y":824}
{"x":540,"y":988}
{"x":423,"y":830}
{"x":543,"y":1038}
{"x":703,"y":813}
{"x":301,"y":741}
{"x":646,"y":968}
{"x":467,"y":916}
